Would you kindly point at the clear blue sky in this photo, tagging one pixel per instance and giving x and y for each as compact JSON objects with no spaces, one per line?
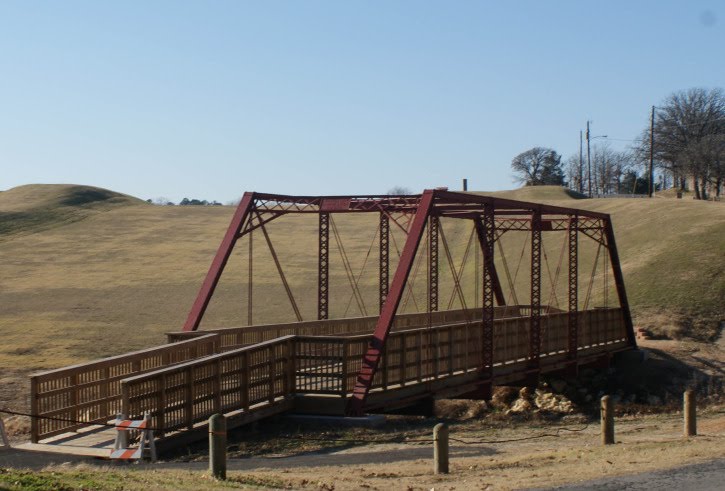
{"x":209,"y":99}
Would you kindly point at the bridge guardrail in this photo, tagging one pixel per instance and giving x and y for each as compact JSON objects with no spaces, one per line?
{"x":245,"y":380}
{"x":91,"y":392}
{"x":241,"y":380}
{"x":237,"y":337}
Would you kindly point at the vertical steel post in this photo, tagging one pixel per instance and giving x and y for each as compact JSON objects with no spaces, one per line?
{"x":323,"y":293}
{"x":619,"y":280}
{"x":486,"y":241}
{"x":535,"y":325}
{"x":220,"y":260}
{"x":250,"y":279}
{"x":372,"y":356}
{"x":384,"y":243}
{"x":433,"y":224}
{"x":573,"y":317}
{"x":488,"y":229}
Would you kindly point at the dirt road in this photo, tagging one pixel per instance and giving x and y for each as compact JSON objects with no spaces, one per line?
{"x":647,"y":447}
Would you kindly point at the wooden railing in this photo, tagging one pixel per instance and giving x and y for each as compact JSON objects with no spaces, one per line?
{"x":237,"y":337}
{"x":329,"y":365}
{"x":248,"y":379}
{"x":241,"y":381}
{"x":91,"y":392}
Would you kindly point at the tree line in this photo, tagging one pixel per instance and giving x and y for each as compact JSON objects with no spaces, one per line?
{"x":184,"y":202}
{"x":688,"y":152}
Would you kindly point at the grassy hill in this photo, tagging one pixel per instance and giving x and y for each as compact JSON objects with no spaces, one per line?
{"x":87,"y":272}
{"x":36,"y":207}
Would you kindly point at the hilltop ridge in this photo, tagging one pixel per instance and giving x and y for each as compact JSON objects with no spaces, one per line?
{"x":35,"y":207}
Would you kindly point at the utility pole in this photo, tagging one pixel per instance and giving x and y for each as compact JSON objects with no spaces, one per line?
{"x":581,"y":164}
{"x":651,"y":153}
{"x":589,"y":162}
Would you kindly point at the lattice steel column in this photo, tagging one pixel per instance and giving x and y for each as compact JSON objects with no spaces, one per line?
{"x":535,"y":326}
{"x":433,"y":224}
{"x":384,"y":258}
{"x":573,"y":317}
{"x":488,"y":230}
{"x":323,"y":267}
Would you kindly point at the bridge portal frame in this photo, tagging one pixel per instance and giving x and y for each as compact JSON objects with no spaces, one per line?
{"x":414,"y":214}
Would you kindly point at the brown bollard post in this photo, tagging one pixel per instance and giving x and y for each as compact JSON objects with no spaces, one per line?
{"x":218,"y":446}
{"x":440,"y":449}
{"x":607,"y":417}
{"x":690,"y":413}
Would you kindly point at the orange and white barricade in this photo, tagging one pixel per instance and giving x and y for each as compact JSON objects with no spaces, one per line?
{"x":121,"y":450}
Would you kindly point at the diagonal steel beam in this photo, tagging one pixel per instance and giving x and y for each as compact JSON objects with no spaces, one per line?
{"x":372,"y":356}
{"x":220,"y":260}
{"x":484,"y":240}
{"x":619,"y":281}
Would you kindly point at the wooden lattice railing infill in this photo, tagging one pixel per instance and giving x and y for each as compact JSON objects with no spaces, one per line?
{"x":91,"y":392}
{"x":240,"y":381}
{"x":237,"y":337}
{"x":256,"y":377}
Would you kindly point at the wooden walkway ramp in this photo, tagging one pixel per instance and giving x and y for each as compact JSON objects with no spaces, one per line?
{"x":252,"y":373}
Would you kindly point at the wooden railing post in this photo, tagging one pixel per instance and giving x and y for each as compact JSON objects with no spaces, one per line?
{"x":217,"y":386}
{"x":189,"y":403}
{"x":419,"y":353}
{"x":34,"y":422}
{"x":291,"y":368}
{"x":343,"y":368}
{"x":103,"y":393}
{"x":272,"y":371}
{"x":161,"y":414}
{"x":245,"y":381}
{"x":450,"y":350}
{"x":74,"y":398}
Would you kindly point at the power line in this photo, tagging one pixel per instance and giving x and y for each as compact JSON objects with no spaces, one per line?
{"x":400,"y":439}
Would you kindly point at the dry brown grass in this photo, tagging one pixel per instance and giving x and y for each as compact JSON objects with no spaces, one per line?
{"x":114,"y":274}
{"x":644,"y":443}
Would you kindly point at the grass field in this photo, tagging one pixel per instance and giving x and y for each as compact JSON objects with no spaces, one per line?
{"x":87,"y":272}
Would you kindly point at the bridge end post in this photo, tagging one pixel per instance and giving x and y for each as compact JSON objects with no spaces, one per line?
{"x":219,"y":262}
{"x":619,"y":281}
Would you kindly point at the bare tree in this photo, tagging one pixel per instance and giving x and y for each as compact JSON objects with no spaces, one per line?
{"x":572,"y":171}
{"x":538,"y":166}
{"x":688,"y":129}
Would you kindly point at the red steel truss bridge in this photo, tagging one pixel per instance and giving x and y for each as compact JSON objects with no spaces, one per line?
{"x":454,"y":333}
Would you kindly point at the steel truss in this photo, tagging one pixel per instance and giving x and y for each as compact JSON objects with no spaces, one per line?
{"x":415,"y":215}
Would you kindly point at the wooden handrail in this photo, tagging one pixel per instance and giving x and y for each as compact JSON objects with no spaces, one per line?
{"x":90,"y":391}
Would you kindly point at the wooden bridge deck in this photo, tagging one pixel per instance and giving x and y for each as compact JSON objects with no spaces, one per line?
{"x":183,"y":383}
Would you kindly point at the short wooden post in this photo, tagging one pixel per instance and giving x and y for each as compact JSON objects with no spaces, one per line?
{"x":218,"y":446}
{"x":607,"y":416}
{"x":690,"y":413}
{"x":440,"y":449}
{"x":3,"y":435}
